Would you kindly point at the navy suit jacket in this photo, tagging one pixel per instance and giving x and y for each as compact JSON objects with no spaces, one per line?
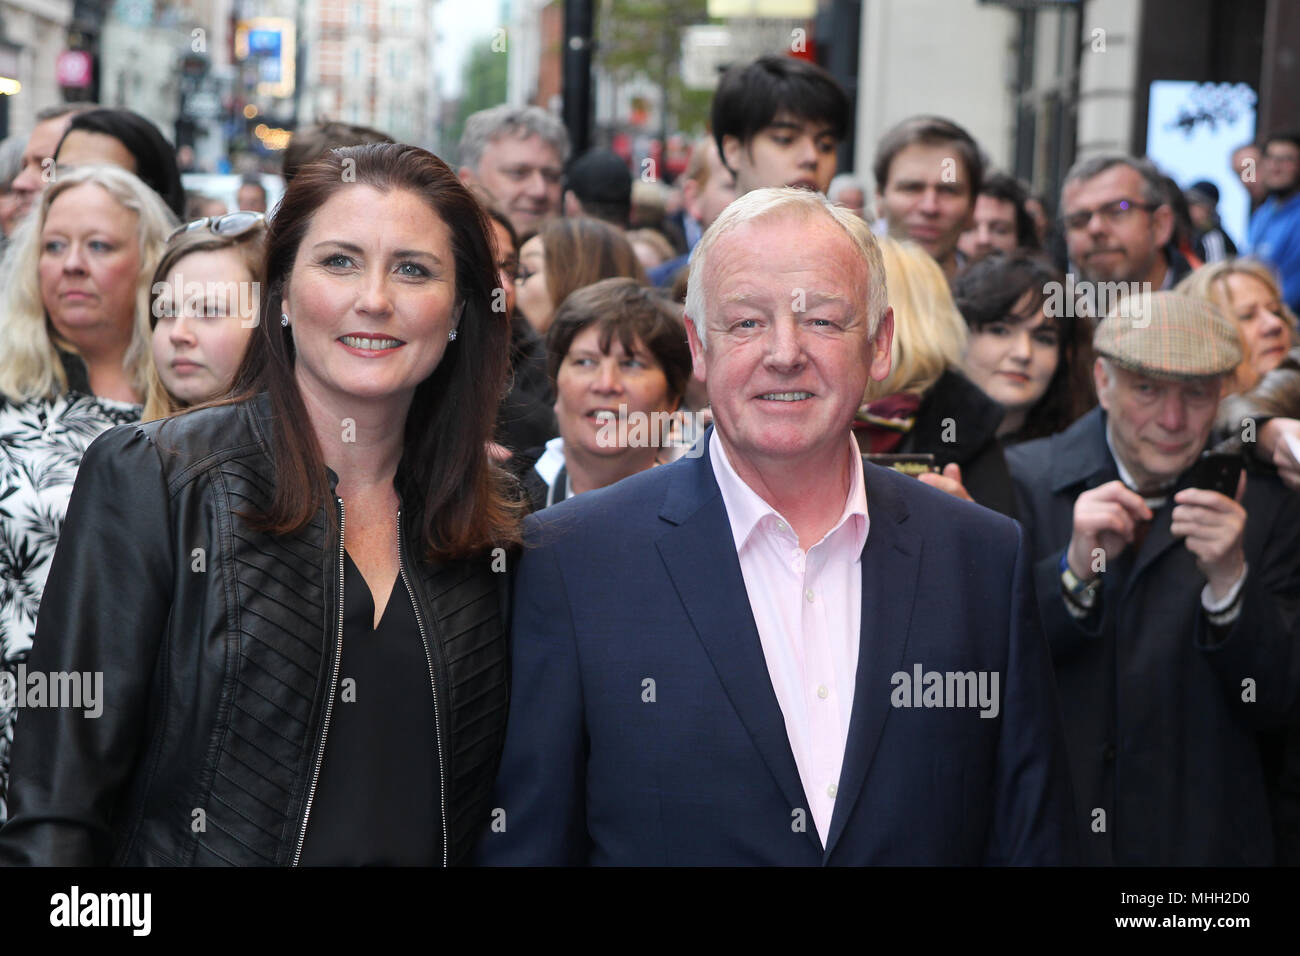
{"x":644,"y":729}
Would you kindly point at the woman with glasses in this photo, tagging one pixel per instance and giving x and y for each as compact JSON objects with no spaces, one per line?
{"x":567,"y":254}
{"x":74,"y":361}
{"x":525,"y":419}
{"x":298,"y":595}
{"x":204,"y":306}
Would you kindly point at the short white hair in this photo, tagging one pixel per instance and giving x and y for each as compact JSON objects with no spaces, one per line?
{"x":772,"y":203}
{"x":843,"y":182}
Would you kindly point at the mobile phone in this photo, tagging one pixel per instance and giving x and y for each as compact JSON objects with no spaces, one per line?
{"x":1216,"y":472}
{"x":912,"y":465}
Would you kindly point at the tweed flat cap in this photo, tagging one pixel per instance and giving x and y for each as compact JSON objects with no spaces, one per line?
{"x":1169,"y":335}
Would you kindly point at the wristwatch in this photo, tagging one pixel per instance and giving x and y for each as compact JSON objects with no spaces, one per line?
{"x":1082,"y":593}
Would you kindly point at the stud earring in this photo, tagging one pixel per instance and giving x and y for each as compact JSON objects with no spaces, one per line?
{"x":451,"y":336}
{"x":284,"y":319}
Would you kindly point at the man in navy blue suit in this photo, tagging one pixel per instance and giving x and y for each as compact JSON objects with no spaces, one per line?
{"x":768,"y":652}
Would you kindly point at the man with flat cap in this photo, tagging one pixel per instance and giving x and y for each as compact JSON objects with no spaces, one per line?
{"x":1171,"y":609}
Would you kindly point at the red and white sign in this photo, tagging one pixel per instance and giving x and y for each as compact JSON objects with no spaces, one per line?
{"x":73,"y":69}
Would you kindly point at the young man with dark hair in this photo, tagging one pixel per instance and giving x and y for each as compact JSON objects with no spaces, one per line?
{"x":778,"y":121}
{"x":1001,"y":219}
{"x":1275,"y":226}
{"x":928,"y":173}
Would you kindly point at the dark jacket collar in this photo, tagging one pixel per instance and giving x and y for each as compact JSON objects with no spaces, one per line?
{"x":1177,"y":264}
{"x":953,"y":395}
{"x":1080,"y":454}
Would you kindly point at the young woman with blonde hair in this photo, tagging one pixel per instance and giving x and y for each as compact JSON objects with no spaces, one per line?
{"x":926,"y":405}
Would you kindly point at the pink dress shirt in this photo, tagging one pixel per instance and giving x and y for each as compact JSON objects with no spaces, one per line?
{"x":808,"y":608}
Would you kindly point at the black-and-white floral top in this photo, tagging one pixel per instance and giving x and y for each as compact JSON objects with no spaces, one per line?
{"x":41,"y":444}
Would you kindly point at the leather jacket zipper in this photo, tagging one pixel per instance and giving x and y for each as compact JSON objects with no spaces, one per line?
{"x":329,"y":701}
{"x":433,"y":682}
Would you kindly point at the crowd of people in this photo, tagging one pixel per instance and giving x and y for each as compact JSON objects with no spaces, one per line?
{"x":296,"y":483}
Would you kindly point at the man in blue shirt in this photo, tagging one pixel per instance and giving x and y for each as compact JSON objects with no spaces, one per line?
{"x":1275,"y":227}
{"x":707,"y":188}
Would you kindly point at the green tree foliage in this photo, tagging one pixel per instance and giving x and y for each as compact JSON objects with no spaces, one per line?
{"x":483,"y":85}
{"x":645,"y":36}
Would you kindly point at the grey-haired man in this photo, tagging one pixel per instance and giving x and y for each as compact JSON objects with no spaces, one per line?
{"x":1171,"y":609}
{"x":517,"y":156}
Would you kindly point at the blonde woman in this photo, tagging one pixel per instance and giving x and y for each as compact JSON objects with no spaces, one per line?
{"x":926,"y":405}
{"x":1264,"y":407}
{"x":74,"y":361}
{"x":1248,"y":292}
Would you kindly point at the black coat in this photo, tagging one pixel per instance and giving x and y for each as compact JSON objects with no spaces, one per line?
{"x":1160,"y":737}
{"x":219,"y":646}
{"x":526,"y":417}
{"x":957,"y":422}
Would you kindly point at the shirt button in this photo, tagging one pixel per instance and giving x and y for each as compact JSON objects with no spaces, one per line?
{"x":809,"y":595}
{"x":822,"y":692}
{"x":780,"y":526}
{"x":832,"y":790}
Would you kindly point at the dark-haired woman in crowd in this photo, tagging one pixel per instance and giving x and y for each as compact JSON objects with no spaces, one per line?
{"x":126,"y":139}
{"x":74,"y":362}
{"x":1038,"y":367}
{"x":204,"y":307}
{"x":618,"y":358}
{"x":292,"y":595}
{"x":567,"y":254}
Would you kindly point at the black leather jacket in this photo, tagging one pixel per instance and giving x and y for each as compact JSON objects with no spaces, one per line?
{"x":219,"y":649}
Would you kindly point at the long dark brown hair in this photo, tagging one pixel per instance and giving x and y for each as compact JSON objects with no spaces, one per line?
{"x":582,"y":251}
{"x":460,"y":501}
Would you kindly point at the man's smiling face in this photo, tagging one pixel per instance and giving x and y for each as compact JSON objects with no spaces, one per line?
{"x":788,"y":351}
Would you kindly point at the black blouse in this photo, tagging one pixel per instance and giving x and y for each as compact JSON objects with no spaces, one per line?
{"x":377,"y":799}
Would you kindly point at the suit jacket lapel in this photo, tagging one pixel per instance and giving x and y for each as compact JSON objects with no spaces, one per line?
{"x":891,"y":562}
{"x":700,"y":556}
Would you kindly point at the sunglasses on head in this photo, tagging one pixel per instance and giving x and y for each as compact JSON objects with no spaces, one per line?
{"x":230,"y":226}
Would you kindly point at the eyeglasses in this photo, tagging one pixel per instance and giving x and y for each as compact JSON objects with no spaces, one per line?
{"x":230,"y":226}
{"x":1112,"y":214}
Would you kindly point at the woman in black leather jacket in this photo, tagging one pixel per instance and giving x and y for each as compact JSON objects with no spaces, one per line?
{"x":293,"y":600}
